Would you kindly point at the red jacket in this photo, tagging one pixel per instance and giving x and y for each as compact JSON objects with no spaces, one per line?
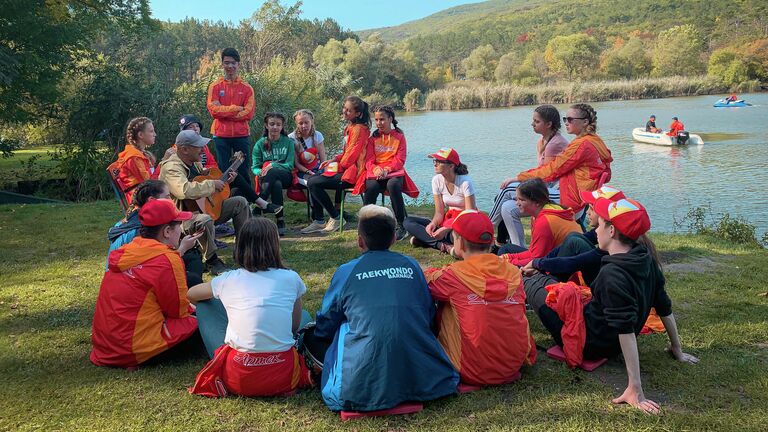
{"x":229,"y":121}
{"x":134,"y":168}
{"x":142,"y":308}
{"x":387,"y":150}
{"x":578,"y":168}
{"x":675,"y":127}
{"x":568,"y":301}
{"x":481,"y":318}
{"x":549,"y":230}
{"x":352,"y":159}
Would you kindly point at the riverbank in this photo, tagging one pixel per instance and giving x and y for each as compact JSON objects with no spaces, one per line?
{"x":479,"y":95}
{"x":53,"y":258}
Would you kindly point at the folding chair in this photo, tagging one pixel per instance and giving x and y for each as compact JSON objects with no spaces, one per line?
{"x":112,"y":173}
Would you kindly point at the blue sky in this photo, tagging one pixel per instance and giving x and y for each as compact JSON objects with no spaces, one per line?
{"x":354,"y":15}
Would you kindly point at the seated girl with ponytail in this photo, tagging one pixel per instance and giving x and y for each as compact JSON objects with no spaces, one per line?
{"x":273,"y":157}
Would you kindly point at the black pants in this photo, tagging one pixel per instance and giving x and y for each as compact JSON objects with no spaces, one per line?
{"x":417,"y":227}
{"x":225,"y":147}
{"x":510,"y":248}
{"x":273,"y":183}
{"x":193,"y":262}
{"x":317,"y":184}
{"x":392,"y":185}
{"x":242,"y":187}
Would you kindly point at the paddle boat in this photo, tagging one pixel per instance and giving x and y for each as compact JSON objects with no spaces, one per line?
{"x":725,"y":103}
{"x":683,"y":137}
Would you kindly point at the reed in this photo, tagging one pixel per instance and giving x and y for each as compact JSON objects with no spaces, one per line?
{"x":486,"y":95}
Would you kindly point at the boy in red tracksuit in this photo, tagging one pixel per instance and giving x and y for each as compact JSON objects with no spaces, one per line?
{"x":481,"y":316}
{"x":231,"y":104}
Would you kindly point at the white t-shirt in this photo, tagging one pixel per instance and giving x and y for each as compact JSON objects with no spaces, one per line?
{"x":309,"y":142}
{"x":464,"y":188}
{"x":259,"y":308}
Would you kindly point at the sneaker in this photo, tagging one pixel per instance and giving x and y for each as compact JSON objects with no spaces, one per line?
{"x":417,"y":243}
{"x":220,"y":244}
{"x":280,"y":227}
{"x":256,"y":210}
{"x":216,"y":266}
{"x":279,"y":214}
{"x":334,"y":224}
{"x":272,"y":208}
{"x":314,"y":227}
{"x":400,"y":232}
{"x":224,"y":230}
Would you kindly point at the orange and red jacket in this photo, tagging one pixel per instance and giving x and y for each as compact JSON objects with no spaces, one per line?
{"x":568,"y":301}
{"x":142,"y":307}
{"x":578,"y":168}
{"x":548,"y":230}
{"x":352,"y":159}
{"x":229,"y":121}
{"x":133,"y":168}
{"x":387,"y":150}
{"x":481,"y":318}
{"x":675,"y":127}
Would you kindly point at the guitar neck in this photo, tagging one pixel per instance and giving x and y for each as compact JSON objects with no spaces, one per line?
{"x":235,"y":165}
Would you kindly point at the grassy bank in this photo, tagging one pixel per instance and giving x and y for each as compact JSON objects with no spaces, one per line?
{"x":506,"y":95}
{"x":51,"y":267}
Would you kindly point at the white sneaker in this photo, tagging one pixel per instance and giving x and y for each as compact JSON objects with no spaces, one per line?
{"x":333,"y":224}
{"x":313,"y":227}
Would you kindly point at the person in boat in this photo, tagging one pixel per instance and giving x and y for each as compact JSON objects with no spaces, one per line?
{"x":629,"y":284}
{"x":675,"y":127}
{"x":732,"y":98}
{"x":650,"y":126}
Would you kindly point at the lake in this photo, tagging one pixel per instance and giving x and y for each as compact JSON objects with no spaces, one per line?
{"x":729,"y":172}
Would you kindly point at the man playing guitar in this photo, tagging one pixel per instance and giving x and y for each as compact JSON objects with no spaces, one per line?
{"x":178,"y":171}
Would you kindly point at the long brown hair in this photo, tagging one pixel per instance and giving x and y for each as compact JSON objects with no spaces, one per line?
{"x":135,"y":126}
{"x":258,"y":246}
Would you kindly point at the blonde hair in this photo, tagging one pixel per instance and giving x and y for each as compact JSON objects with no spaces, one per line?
{"x":296,"y":132}
{"x":135,"y":126}
{"x":591,"y":115}
{"x":373,"y":210}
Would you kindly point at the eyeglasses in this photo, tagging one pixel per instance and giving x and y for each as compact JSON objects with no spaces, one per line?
{"x":571,"y":119}
{"x":436,"y":162}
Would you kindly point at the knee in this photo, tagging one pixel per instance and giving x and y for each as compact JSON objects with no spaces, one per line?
{"x":394,"y":187}
{"x":509,"y":208}
{"x":240,"y":202}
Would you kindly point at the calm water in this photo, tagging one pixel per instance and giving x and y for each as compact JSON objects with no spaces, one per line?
{"x":729,"y":171}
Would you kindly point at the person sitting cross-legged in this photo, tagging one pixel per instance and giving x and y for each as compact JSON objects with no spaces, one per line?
{"x":378,"y":313}
{"x":142,"y":308}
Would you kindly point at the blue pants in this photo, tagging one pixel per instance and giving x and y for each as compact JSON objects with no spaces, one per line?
{"x":212,"y":323}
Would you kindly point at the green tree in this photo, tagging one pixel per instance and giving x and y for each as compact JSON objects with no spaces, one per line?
{"x":572,"y":56}
{"x":413,"y":100}
{"x":481,"y":63}
{"x":627,"y":61}
{"x":678,"y":51}
{"x":508,"y":67}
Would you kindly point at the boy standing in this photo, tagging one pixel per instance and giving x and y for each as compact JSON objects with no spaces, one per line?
{"x":481,"y":315}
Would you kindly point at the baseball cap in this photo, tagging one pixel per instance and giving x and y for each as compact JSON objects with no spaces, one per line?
{"x":674,"y":118}
{"x":189,"y":119}
{"x":191,"y":138}
{"x":474,"y":226}
{"x":607,"y":192}
{"x":446,"y":154}
{"x":331,"y":169}
{"x":158,"y":212}
{"x":627,"y":215}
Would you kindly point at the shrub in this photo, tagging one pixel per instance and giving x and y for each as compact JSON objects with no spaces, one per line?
{"x":700,"y":220}
{"x":413,"y":99}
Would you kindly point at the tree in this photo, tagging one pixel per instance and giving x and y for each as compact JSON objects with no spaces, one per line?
{"x":678,"y":52}
{"x":413,"y":100}
{"x":481,"y":63}
{"x":507,"y":69}
{"x":572,"y":56}
{"x":628,"y":60}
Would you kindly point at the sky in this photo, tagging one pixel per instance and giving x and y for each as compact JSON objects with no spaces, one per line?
{"x":350,"y":14}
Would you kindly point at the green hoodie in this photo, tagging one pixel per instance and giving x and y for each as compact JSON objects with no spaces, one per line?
{"x":281,"y":154}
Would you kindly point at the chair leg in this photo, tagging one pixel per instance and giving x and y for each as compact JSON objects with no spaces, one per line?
{"x":309,"y":207}
{"x":341,"y":210}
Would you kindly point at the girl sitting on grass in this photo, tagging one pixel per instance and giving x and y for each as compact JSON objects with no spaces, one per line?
{"x":249,"y":317}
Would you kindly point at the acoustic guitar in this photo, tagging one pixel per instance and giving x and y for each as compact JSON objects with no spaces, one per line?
{"x":211,"y":205}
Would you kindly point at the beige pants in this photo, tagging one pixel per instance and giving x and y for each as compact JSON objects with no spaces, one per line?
{"x":235,"y":208}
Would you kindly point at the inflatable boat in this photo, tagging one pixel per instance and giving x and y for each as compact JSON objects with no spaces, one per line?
{"x":682,"y":138}
{"x":723,"y":103}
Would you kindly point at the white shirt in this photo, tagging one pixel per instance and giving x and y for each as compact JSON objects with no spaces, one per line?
{"x":463,"y":188}
{"x":259,"y":308}
{"x":309,"y":142}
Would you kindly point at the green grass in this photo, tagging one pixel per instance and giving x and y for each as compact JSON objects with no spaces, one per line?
{"x":29,"y":164}
{"x":51,"y":267}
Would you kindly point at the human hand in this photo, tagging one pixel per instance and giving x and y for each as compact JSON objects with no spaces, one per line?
{"x":218,"y":185}
{"x":384,"y":174}
{"x":188,"y":242}
{"x":440,"y":233}
{"x":325,"y":164}
{"x":377,"y":172}
{"x":232,"y":177}
{"x":679,"y":355}
{"x":507,"y":181}
{"x":430,"y":228}
{"x":636,"y":398}
{"x":528,"y":269}
{"x":168,"y":153}
{"x":265,"y":170}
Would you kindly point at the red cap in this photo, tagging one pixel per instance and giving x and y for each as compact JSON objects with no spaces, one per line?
{"x":606,"y":192}
{"x":627,"y":215}
{"x":331,"y":169}
{"x":446,"y":154}
{"x":158,"y":212}
{"x":474,"y":226}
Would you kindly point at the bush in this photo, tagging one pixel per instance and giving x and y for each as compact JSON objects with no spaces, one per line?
{"x":413,"y":99}
{"x":84,"y":167}
{"x":700,"y":220}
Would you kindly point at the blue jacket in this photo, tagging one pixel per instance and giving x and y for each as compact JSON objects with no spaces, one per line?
{"x":122,"y":233}
{"x":378,"y":311}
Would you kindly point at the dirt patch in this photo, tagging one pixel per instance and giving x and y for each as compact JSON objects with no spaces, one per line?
{"x":699,"y":265}
{"x":669,"y":257}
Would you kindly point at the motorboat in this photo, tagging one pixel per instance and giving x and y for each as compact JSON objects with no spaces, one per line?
{"x":682,"y":138}
{"x":726,"y":103}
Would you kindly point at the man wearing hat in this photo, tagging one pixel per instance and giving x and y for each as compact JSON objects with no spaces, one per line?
{"x":142,"y":308}
{"x":178,"y":171}
{"x":650,"y":126}
{"x":481,"y":307}
{"x":629,"y":284}
{"x":675,"y":127}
